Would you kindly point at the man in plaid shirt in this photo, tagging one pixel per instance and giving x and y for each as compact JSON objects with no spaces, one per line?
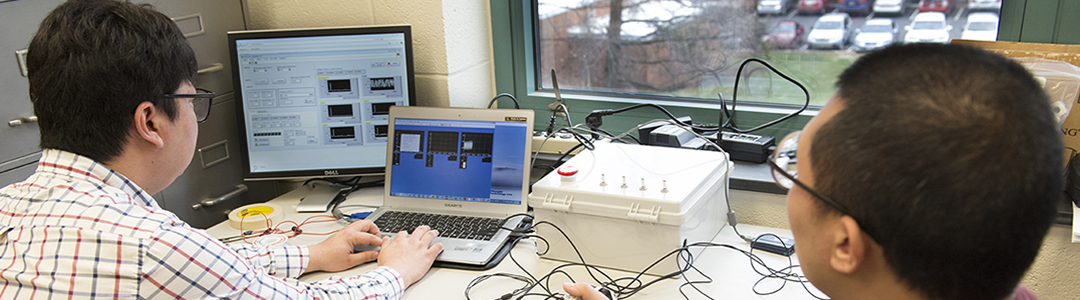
{"x":112,"y":87}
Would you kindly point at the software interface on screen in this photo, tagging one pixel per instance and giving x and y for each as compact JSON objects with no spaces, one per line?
{"x":458,"y":160}
{"x":320,"y":102}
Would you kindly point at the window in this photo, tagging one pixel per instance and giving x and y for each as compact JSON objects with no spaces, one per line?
{"x":692,"y":49}
{"x":681,"y":53}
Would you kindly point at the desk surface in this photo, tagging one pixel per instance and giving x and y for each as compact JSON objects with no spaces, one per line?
{"x":732,"y":274}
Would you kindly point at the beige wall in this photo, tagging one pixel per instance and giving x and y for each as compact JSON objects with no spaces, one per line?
{"x":1055,"y":274}
{"x":451,"y":39}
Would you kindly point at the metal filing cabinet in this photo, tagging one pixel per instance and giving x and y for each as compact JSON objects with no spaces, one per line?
{"x":215,"y":171}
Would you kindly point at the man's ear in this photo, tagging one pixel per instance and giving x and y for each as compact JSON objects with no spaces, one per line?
{"x":147,"y":120}
{"x":849,"y":246}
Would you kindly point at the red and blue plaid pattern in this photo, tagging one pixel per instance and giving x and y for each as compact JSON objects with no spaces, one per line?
{"x":77,"y":229}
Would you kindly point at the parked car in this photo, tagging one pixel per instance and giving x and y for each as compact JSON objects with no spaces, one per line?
{"x":831,"y":31}
{"x":784,"y":34}
{"x":941,"y":6}
{"x":981,"y":26}
{"x":775,"y":7}
{"x":813,"y":6}
{"x":994,"y":5}
{"x":855,"y":6}
{"x":928,"y":27}
{"x":876,"y":33}
{"x":889,"y":7}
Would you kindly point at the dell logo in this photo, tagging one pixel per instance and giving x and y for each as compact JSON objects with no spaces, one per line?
{"x":330,"y":172}
{"x":453,"y":205}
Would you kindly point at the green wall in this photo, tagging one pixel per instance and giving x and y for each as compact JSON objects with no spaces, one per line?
{"x":1040,"y":21}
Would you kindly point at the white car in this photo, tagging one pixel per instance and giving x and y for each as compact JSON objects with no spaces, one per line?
{"x":928,"y":27}
{"x":981,"y":26}
{"x":889,"y":7}
{"x":831,"y":31}
{"x":776,"y":7}
{"x":994,"y":5}
{"x":876,"y":33}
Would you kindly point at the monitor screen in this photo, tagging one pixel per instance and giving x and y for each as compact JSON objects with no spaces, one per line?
{"x":314,"y":102}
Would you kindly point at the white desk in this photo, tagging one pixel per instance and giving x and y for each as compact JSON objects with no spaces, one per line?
{"x":732,"y":275}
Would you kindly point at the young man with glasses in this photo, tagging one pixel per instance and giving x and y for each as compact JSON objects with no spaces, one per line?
{"x":933,"y":173}
{"x":111,"y":84}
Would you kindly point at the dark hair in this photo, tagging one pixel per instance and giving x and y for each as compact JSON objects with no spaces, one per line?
{"x":951,"y":156}
{"x":90,"y":65}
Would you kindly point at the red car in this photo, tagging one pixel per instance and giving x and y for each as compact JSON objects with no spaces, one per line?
{"x":941,"y":6}
{"x":812,"y":6}
{"x":785,"y":34}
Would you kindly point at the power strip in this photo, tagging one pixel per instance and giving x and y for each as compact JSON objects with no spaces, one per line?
{"x":559,"y":143}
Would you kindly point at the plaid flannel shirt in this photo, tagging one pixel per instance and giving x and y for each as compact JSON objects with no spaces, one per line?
{"x":78,"y":229}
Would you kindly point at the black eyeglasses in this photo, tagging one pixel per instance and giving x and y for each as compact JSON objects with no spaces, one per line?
{"x":785,"y":170}
{"x":201,"y":101}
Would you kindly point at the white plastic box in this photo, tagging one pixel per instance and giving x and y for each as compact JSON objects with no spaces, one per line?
{"x":668,"y":196}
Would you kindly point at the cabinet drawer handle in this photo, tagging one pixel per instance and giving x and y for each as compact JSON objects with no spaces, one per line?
{"x":206,"y":153}
{"x":198,"y":17}
{"x":21,"y":121}
{"x":20,"y":56}
{"x":240,"y":190}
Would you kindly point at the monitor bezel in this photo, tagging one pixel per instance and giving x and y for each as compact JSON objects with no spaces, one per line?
{"x":241,"y":121}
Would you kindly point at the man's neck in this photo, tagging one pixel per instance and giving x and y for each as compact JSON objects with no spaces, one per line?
{"x":140,"y":169}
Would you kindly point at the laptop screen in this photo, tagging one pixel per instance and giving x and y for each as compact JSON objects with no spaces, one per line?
{"x":459,"y":160}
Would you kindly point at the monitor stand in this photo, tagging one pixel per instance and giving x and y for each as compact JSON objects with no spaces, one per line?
{"x":321,"y":197}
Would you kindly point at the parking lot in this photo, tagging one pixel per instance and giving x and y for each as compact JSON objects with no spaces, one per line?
{"x":956,"y":19}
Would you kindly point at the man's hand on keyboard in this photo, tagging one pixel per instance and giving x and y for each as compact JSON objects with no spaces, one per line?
{"x":336,"y":252}
{"x":410,"y":255}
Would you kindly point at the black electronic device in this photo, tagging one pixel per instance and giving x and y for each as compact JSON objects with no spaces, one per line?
{"x":774,"y":244}
{"x":745,"y":147}
{"x":645,"y":130}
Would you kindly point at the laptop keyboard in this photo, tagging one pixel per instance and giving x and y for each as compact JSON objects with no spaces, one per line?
{"x":462,"y":227}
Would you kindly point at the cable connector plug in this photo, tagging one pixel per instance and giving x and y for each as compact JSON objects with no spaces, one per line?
{"x":731,"y":220}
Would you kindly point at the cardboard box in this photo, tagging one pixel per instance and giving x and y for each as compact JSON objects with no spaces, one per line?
{"x":1070,"y":129}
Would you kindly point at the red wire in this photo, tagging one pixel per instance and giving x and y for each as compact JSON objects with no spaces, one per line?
{"x":295,"y":231}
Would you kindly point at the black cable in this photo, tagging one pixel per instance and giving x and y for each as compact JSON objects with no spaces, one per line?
{"x":516,"y":106}
{"x":595,"y":119}
{"x":559,"y":162}
{"x":481,"y":278}
{"x":730,"y":123}
{"x":627,"y":286}
{"x":636,"y":140}
{"x":335,"y":210}
{"x":333,"y":180}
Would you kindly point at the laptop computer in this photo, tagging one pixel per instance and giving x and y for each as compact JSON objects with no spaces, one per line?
{"x":457,"y":162}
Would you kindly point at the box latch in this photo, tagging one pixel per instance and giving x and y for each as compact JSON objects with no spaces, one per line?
{"x":550,"y":202}
{"x":637,"y":214}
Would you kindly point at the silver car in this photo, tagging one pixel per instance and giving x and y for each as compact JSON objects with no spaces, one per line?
{"x":831,"y":31}
{"x":994,"y":5}
{"x":876,"y":33}
{"x":775,"y":7}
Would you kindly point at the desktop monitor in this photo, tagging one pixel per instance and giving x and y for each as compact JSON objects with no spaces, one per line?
{"x":313,"y":103}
